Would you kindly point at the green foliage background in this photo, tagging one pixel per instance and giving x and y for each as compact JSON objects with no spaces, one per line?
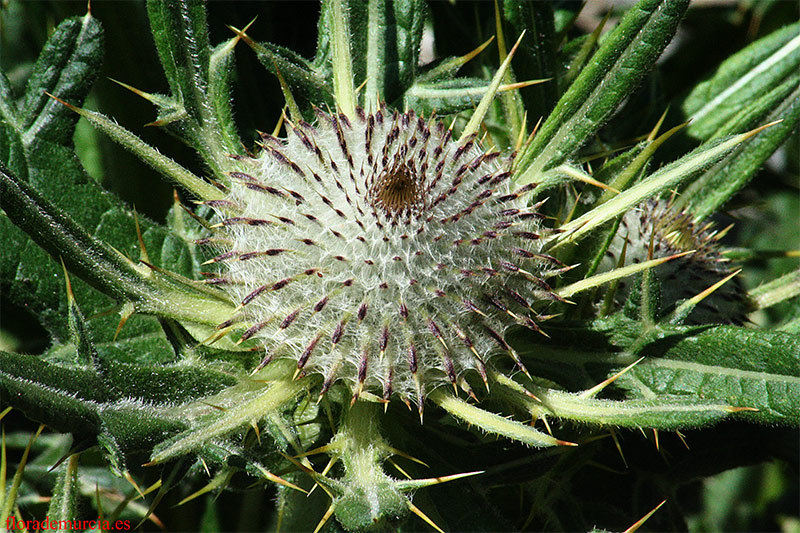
{"x":734,"y":476}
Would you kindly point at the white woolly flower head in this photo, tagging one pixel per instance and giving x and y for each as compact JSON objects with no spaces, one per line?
{"x":380,"y":251}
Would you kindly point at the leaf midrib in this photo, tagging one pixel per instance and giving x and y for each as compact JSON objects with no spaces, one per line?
{"x":744,"y":80}
{"x":703,"y":368}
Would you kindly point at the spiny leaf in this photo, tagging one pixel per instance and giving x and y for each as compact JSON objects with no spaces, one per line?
{"x":744,"y":368}
{"x":391,"y":38}
{"x":100,"y":265}
{"x":742,"y":78}
{"x":477,"y":117}
{"x":249,"y":407}
{"x":511,"y":102}
{"x":683,"y":310}
{"x":666,"y":177}
{"x":449,"y":66}
{"x":65,"y":399}
{"x":620,"y":172}
{"x":166,"y":166}
{"x":717,"y":185}
{"x":613,"y":73}
{"x":452,"y":96}
{"x":305,"y":79}
{"x":662,"y":412}
{"x":776,"y":291}
{"x":67,"y":66}
{"x":181,"y":35}
{"x":536,"y":58}
{"x":59,"y":234}
{"x":607,"y":277}
{"x":753,"y":371}
{"x":81,"y":336}
{"x":759,"y":84}
{"x":220,"y":71}
{"x":198,"y":78}
{"x":638,"y":164}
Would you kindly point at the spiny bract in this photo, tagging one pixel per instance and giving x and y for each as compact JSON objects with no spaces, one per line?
{"x":380,"y":251}
{"x":657,"y":229}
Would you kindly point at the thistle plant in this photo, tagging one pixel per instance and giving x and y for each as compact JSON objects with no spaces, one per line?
{"x":462,"y":270}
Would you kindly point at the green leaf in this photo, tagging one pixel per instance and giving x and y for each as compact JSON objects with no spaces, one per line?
{"x":628,"y":168}
{"x":492,"y":422}
{"x":716,"y":186}
{"x":662,"y":412}
{"x":472,"y":126}
{"x":625,"y":57}
{"x":619,"y":173}
{"x":447,"y":67}
{"x":597,"y":280}
{"x":11,"y":148}
{"x":129,"y":407}
{"x":536,"y":57}
{"x":575,"y":54}
{"x":65,"y":399}
{"x":210,"y":522}
{"x":59,"y":234}
{"x":623,"y":167}
{"x":67,"y":67}
{"x":644,"y":302}
{"x":778,"y":290}
{"x":166,"y":384}
{"x":306,"y":80}
{"x":343,"y":88}
{"x":302,"y":512}
{"x":93,"y":260}
{"x":756,"y":86}
{"x":744,"y":368}
{"x":84,"y":347}
{"x":384,"y":41}
{"x":241,"y":406}
{"x":409,"y":19}
{"x":220,"y":71}
{"x":181,"y":35}
{"x":199,"y":111}
{"x":738,"y":367}
{"x":664,"y":178}
{"x":163,"y":164}
{"x":140,"y":340}
{"x":742,"y":79}
{"x":448,"y":96}
{"x":763,"y":109}
{"x":392,"y":34}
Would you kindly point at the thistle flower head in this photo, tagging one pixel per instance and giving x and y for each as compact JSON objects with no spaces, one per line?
{"x":380,"y":251}
{"x":656,"y":228}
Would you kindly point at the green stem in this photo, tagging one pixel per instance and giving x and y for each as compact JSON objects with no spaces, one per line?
{"x":368,"y":496}
{"x":359,"y":442}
